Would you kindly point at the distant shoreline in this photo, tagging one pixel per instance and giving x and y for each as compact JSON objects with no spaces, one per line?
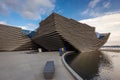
{"x":113,"y":46}
{"x":110,"y":48}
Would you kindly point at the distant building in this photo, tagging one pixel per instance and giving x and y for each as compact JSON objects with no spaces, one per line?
{"x":53,"y":33}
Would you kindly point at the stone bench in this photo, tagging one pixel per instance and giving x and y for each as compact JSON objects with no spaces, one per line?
{"x":49,"y":70}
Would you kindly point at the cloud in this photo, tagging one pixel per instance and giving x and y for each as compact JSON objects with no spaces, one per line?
{"x":94,"y":9}
{"x":3,"y":22}
{"x":106,"y":4}
{"x":28,"y":26}
{"x":107,"y":23}
{"x":93,"y":3}
{"x":91,"y":12}
{"x":30,"y":9}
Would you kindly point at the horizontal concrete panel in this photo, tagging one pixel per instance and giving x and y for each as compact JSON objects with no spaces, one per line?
{"x":12,"y":38}
{"x":80,"y":36}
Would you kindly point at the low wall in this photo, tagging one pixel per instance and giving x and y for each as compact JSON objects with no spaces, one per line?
{"x":74,"y":74}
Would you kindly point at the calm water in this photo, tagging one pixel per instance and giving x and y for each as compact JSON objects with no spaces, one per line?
{"x":97,"y":65}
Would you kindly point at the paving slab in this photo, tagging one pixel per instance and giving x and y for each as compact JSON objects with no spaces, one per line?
{"x":21,"y":66}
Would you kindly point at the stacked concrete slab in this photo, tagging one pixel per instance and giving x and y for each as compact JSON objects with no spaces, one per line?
{"x":57,"y":31}
{"x":12,"y":38}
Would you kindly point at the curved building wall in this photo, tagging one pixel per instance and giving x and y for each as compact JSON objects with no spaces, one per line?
{"x":11,"y":38}
{"x":81,"y":36}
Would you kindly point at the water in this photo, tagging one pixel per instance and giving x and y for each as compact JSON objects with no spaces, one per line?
{"x":97,"y":65}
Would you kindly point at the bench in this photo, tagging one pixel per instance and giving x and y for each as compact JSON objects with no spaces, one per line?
{"x":49,"y":70}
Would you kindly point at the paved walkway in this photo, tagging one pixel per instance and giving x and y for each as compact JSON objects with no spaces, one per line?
{"x":22,"y":66}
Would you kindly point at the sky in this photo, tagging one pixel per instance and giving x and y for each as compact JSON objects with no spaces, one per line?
{"x":102,"y":14}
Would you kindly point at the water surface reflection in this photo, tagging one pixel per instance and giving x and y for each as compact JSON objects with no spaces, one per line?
{"x":96,"y":65}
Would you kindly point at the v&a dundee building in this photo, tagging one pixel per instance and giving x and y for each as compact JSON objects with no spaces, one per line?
{"x":53,"y":33}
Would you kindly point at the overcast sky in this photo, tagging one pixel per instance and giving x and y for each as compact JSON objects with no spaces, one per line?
{"x":102,"y":14}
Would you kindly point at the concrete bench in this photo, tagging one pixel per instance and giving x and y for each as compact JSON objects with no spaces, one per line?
{"x":49,"y":70}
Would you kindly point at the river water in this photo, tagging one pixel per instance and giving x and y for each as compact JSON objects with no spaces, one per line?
{"x":96,"y":65}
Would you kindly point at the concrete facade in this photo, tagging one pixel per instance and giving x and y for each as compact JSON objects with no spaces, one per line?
{"x":57,"y":31}
{"x":12,"y":38}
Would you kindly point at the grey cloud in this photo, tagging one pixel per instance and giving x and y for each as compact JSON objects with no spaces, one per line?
{"x":31,"y":9}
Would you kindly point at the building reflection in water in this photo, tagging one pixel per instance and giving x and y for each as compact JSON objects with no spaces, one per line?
{"x":87,"y":64}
